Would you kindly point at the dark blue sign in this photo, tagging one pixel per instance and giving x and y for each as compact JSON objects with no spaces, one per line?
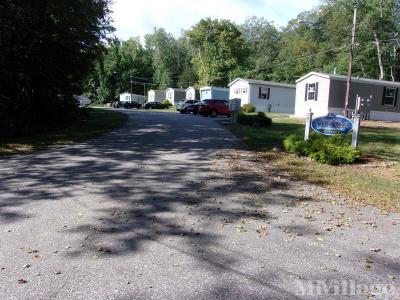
{"x":332,"y":124}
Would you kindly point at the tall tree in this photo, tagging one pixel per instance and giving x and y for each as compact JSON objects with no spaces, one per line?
{"x":166,"y":57}
{"x":47,"y":49}
{"x":262,"y":39}
{"x":219,"y":49}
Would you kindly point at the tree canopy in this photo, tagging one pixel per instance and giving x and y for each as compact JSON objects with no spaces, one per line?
{"x":213,"y":51}
{"x":47,"y":49}
{"x":57,"y":48}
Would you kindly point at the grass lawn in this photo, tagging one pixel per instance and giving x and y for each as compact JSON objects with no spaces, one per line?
{"x":97,"y":122}
{"x":375,"y":181}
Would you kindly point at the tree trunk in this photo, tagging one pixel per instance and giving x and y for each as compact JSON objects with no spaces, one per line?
{"x":391,"y":73}
{"x":379,"y":52}
{"x":393,"y":62}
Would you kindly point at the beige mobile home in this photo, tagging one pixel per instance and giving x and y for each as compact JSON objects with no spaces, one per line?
{"x":156,"y":96}
{"x":175,"y":95}
{"x":266,"y":96}
{"x":190,"y":93}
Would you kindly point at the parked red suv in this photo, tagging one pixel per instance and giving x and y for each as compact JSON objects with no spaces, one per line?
{"x":213,"y":108}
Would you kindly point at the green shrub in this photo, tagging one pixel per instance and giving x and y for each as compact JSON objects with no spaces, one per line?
{"x":167,"y":102}
{"x":295,"y":145}
{"x":260,"y":119}
{"x":248,"y":108}
{"x":245,"y":119}
{"x":333,"y":150}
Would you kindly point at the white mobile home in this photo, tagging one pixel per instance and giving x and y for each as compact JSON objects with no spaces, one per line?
{"x":190,"y":93}
{"x":128,"y":97}
{"x":266,"y":96}
{"x":83,"y":101}
{"x":212,"y":92}
{"x":175,"y":95}
{"x":325,"y":93}
{"x":156,"y":96}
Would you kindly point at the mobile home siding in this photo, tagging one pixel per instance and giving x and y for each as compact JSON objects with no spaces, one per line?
{"x":331,"y":95}
{"x":319,"y":106}
{"x":190,"y":93}
{"x":280,"y":100}
{"x":156,"y":96}
{"x":175,"y":95}
{"x":236,"y":91}
{"x":365,"y":90}
{"x":214,"y":93}
{"x":128,"y":97}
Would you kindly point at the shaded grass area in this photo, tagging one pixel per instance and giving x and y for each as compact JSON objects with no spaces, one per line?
{"x":381,"y":142}
{"x":376,"y":181}
{"x":93,"y":123}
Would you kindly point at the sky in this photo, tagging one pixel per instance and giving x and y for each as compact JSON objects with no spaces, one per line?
{"x":134,"y":18}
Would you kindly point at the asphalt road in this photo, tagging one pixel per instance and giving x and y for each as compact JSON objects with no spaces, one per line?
{"x":173,"y":207}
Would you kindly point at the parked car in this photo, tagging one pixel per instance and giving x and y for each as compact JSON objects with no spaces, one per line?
{"x":154,"y":105}
{"x":195,"y":107}
{"x":214,"y":107}
{"x":110,"y":103}
{"x":186,"y":107}
{"x":116,"y":104}
{"x":179,"y":104}
{"x":131,"y":104}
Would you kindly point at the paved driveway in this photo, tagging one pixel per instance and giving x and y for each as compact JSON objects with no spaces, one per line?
{"x":171,"y":207}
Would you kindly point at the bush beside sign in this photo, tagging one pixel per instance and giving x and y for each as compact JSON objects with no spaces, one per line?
{"x":332,"y":124}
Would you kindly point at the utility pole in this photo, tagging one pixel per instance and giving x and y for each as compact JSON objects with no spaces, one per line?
{"x":353,"y":37}
{"x":131,"y":83}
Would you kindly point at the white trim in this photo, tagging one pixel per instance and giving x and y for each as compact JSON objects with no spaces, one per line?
{"x":175,"y":90}
{"x":353,"y":79}
{"x":262,"y":82}
{"x":213,"y":88}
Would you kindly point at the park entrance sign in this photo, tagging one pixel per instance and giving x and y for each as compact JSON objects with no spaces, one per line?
{"x":332,"y":124}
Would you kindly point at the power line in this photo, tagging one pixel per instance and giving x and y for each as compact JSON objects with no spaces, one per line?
{"x":155,"y":83}
{"x":288,"y":62}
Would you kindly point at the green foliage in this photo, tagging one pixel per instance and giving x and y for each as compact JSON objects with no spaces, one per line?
{"x":248,"y":108}
{"x":47,"y":50}
{"x":214,"y":51}
{"x":261,"y":39}
{"x":167,"y":102}
{"x":168,"y":57}
{"x":260,"y":119}
{"x":218,"y":47}
{"x":121,"y":64}
{"x":333,"y":150}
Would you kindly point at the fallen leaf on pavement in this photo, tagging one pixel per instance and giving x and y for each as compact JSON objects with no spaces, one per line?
{"x":375,"y":249}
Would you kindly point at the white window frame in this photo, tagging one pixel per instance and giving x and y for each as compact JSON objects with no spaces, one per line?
{"x":386,"y":96}
{"x":311,"y":90}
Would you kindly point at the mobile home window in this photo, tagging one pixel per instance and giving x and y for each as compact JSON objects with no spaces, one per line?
{"x":312,"y":91}
{"x":389,"y":96}
{"x":263,"y":92}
